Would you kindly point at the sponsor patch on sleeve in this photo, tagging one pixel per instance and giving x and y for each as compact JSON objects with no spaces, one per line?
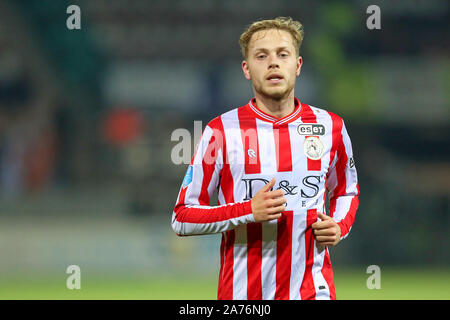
{"x":351,"y":162}
{"x":188,"y":177}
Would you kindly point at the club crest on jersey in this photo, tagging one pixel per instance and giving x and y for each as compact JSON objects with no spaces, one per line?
{"x":311,"y":129}
{"x":313,"y":148}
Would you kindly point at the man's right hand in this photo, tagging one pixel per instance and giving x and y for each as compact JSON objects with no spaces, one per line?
{"x":267,"y":205}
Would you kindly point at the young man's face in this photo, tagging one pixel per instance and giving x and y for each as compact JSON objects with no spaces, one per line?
{"x":272,"y":63}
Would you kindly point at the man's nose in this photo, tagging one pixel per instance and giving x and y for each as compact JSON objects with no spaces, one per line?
{"x":273,"y":62}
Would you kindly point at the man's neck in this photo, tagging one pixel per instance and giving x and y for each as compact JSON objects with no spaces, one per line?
{"x":277,"y":108}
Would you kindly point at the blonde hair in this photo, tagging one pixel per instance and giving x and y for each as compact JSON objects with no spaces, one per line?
{"x":295,"y":28}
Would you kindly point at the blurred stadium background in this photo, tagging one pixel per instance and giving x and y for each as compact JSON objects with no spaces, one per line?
{"x":86,"y":117}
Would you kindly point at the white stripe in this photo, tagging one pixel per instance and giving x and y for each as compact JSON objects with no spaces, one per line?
{"x":298,"y":259}
{"x":213,"y":183}
{"x":221,"y":197}
{"x":298,"y":254}
{"x":350,"y":173}
{"x":319,"y":280}
{"x":240,"y":263}
{"x":198,"y":206}
{"x":332,"y":176}
{"x":188,"y":228}
{"x":203,"y":145}
{"x":235,"y":152}
{"x":324,"y":118}
{"x":343,"y":204}
{"x":267,"y":154}
{"x":231,"y":127}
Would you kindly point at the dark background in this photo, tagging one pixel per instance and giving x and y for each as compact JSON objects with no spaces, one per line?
{"x":86,"y":117}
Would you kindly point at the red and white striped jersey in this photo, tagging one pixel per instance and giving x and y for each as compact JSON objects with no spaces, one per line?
{"x":309,"y":153}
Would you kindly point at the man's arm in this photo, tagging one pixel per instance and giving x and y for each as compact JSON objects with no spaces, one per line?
{"x":342,"y":185}
{"x":193,"y":214}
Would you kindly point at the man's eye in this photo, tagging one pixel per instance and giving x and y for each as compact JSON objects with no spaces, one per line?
{"x":260,"y":56}
{"x":283,"y":55}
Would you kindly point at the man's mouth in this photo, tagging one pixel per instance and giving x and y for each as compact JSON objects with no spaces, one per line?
{"x":275,"y":78}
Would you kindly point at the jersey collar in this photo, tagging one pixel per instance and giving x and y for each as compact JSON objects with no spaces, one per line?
{"x":277,"y":121}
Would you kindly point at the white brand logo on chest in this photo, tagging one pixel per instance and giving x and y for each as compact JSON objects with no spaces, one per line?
{"x":251,"y":153}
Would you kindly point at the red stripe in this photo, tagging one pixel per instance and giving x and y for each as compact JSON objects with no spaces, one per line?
{"x":227,"y":184}
{"x":222,"y":260}
{"x":333,"y":207}
{"x":314,"y":165}
{"x":346,"y":223}
{"x":327,"y":273}
{"x":208,"y":165}
{"x":211,"y":215}
{"x":226,"y":288}
{"x":340,"y":170}
{"x":249,"y":137}
{"x":337,"y":145}
{"x":308,"y":116}
{"x":337,"y":124}
{"x":307,"y":289}
{"x":283,"y":147}
{"x":180,"y":203}
{"x":284,"y":255}
{"x":181,"y":200}
{"x":226,"y":179}
{"x":254,"y":261}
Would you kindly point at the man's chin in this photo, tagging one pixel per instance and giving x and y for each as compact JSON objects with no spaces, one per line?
{"x":276,"y":94}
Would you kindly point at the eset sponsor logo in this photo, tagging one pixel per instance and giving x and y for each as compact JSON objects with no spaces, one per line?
{"x":311,"y":129}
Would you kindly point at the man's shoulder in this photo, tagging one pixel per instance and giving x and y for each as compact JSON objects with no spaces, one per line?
{"x":230,"y":115}
{"x":325,"y":114}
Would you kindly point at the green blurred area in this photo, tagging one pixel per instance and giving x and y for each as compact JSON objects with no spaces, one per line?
{"x":396,"y":284}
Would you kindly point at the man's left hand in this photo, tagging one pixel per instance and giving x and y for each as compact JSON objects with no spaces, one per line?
{"x":327,"y":232}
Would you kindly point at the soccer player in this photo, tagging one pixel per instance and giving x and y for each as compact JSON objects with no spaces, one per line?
{"x":273,"y":162}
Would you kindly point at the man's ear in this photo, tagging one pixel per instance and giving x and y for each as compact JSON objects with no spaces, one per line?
{"x":246,"y":70}
{"x":299,"y":65}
